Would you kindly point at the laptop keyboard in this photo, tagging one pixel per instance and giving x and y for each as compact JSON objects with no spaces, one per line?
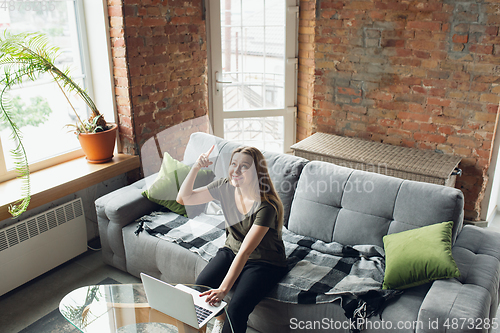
{"x":202,"y":313}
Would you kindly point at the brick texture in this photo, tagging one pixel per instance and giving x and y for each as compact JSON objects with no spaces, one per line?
{"x":306,"y":73}
{"x":160,"y":73}
{"x":410,"y":73}
{"x":416,"y":74}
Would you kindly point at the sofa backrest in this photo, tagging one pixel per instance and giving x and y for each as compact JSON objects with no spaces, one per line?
{"x":283,"y":169}
{"x":354,"y":207}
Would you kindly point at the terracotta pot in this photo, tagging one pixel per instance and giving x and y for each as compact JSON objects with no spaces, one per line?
{"x":99,"y":147}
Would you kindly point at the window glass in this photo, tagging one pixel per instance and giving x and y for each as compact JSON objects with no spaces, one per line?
{"x":265,"y":133}
{"x":253,"y":54}
{"x":40,"y":107}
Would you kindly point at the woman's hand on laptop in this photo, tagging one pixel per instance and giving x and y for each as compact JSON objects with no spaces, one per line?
{"x":214,"y":296}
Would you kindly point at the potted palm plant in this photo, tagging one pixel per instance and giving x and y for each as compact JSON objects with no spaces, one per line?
{"x":24,"y":57}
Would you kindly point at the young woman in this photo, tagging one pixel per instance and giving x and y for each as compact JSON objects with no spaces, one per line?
{"x":253,"y":259}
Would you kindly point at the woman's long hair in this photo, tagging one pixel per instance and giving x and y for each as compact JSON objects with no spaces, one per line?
{"x":267,"y":191}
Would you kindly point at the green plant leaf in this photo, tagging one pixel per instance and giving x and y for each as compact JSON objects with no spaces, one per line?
{"x":27,"y":57}
{"x":20,"y":158}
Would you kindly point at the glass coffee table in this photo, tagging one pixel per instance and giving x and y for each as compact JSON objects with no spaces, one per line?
{"x":121,"y":308}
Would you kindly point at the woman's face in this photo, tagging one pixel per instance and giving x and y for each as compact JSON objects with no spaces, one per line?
{"x":241,"y":170}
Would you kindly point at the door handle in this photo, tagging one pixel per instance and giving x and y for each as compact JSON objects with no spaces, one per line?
{"x":217,"y":81}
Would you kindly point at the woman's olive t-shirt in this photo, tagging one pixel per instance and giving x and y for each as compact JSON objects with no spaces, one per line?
{"x":271,"y":249}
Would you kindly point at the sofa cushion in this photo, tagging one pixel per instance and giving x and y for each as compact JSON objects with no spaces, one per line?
{"x":164,"y":260}
{"x":354,"y":228}
{"x":403,"y":311}
{"x":165,"y":187}
{"x":441,"y":203}
{"x":477,"y":255}
{"x":354,"y":207}
{"x":371,"y":193}
{"x":285,"y":171}
{"x":367,"y":206}
{"x":418,"y":256}
{"x":317,"y":200}
{"x":335,"y":203}
{"x":273,"y":316}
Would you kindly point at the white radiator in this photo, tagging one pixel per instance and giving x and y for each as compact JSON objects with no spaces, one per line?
{"x":36,"y":245}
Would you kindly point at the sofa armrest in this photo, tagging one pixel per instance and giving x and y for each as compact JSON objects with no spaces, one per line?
{"x":450,"y":306}
{"x":468,"y":303}
{"x":116,"y":210}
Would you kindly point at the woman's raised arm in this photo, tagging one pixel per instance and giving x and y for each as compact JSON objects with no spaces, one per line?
{"x":188,"y":196}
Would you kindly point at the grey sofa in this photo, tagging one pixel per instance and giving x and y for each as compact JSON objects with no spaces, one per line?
{"x":327,"y":194}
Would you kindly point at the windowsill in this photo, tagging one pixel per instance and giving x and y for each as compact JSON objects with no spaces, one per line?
{"x":63,"y":179}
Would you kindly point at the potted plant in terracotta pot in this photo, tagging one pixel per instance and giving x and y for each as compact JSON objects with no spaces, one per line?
{"x":96,"y":137}
{"x":25,"y":57}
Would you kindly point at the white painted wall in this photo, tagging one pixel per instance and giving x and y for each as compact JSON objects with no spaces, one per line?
{"x":97,"y":58}
{"x":491,"y":200}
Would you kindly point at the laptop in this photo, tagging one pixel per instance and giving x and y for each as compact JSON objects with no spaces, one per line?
{"x":179,"y":302}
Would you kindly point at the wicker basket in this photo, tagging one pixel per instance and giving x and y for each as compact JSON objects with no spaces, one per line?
{"x":406,"y":163}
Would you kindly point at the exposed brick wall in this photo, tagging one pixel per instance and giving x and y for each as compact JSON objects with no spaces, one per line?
{"x":416,"y":74}
{"x":121,"y":77}
{"x":305,"y":79}
{"x":160,"y":66}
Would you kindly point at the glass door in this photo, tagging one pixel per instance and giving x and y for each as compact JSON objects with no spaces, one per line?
{"x":253,"y":57}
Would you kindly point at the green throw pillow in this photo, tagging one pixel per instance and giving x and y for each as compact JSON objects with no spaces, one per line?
{"x":172,"y":173}
{"x":418,"y":256}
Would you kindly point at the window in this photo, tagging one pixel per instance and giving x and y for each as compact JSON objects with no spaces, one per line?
{"x":253,"y":71}
{"x":43,"y":107}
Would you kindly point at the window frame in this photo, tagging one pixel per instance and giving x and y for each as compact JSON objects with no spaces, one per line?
{"x":289,"y":110}
{"x":92,"y":23}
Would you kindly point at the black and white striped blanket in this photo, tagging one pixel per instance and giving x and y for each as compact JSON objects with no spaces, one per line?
{"x":319,"y":272}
